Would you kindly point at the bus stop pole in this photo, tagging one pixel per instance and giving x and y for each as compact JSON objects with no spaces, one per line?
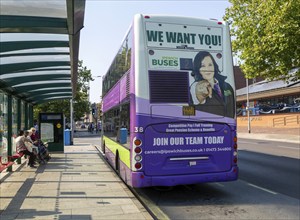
{"x":71,"y":121}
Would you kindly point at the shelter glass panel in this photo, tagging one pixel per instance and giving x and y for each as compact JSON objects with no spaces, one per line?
{"x":3,"y":126}
{"x":23,"y":115}
{"x":14,"y":133}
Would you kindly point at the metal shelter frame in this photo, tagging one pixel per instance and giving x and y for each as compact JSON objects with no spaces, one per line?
{"x":39,"y":47}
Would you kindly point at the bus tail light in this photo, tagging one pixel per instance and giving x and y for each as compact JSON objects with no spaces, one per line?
{"x":138,"y":165}
{"x":235,"y":150}
{"x":137,"y":154}
{"x":138,"y":157}
{"x":235,"y":146}
{"x":138,"y":150}
{"x":235,"y":143}
{"x":137,"y":142}
{"x":235,"y":139}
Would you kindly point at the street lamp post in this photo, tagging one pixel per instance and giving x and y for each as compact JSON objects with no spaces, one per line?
{"x":247,"y":107}
{"x":88,"y":91}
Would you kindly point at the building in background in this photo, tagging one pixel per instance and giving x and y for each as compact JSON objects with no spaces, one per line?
{"x":272,"y":104}
{"x":267,"y":97}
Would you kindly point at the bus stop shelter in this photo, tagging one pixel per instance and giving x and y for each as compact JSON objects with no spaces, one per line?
{"x":39,"y":46}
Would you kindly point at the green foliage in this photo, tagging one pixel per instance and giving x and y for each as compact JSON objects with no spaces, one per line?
{"x":81,"y":103}
{"x":56,"y":106}
{"x":266,"y":36}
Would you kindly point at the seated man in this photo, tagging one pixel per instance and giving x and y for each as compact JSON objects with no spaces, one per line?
{"x":22,"y":148}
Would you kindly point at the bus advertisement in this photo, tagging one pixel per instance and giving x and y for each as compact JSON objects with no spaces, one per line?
{"x":169,"y":103}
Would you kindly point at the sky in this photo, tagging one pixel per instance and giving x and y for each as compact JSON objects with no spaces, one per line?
{"x":106,"y":23}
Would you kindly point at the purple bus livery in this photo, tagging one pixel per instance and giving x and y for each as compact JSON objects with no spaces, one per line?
{"x":169,"y":103}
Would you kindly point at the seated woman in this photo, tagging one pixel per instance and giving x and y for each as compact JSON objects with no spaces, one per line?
{"x":30,"y":142}
{"x":34,"y":136}
{"x":39,"y":147}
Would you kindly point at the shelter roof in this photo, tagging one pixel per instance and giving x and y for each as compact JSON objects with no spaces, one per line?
{"x":39,"y":46}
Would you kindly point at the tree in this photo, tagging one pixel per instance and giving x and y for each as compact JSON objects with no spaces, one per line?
{"x":266,"y":36}
{"x":81,"y":100}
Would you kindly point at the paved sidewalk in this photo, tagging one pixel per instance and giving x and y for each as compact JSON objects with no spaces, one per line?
{"x":76,"y":184}
{"x":291,"y":135}
{"x":84,"y":133}
{"x":271,"y":137}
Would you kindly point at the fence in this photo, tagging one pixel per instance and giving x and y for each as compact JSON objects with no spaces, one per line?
{"x":291,"y":120}
{"x":287,"y":120}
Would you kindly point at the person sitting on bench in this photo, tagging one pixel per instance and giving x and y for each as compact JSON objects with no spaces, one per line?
{"x":22,"y":148}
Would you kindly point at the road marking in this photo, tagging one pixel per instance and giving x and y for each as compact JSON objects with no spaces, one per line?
{"x":294,"y":148}
{"x":219,"y":184}
{"x":245,"y":142}
{"x":261,"y":188}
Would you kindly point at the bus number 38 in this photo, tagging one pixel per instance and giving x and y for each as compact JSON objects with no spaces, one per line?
{"x":138,"y":129}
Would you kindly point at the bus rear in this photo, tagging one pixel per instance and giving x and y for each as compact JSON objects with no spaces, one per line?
{"x":182,"y":116}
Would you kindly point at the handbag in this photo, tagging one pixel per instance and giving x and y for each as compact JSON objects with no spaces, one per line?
{"x":28,"y":146}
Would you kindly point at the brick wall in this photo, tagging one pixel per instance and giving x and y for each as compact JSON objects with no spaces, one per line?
{"x":291,"y":120}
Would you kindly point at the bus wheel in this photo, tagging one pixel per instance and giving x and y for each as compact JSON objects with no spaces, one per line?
{"x":117,"y":163}
{"x":103,"y":148}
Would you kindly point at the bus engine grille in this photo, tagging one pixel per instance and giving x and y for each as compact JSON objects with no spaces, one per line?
{"x":169,"y":87}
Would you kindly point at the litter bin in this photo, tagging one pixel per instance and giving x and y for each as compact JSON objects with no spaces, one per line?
{"x":123,"y":135}
{"x":67,"y":137}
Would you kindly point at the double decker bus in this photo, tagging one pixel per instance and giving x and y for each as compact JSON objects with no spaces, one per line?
{"x":169,"y":103}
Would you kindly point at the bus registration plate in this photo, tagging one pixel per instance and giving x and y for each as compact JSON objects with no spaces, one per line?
{"x":188,"y":110}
